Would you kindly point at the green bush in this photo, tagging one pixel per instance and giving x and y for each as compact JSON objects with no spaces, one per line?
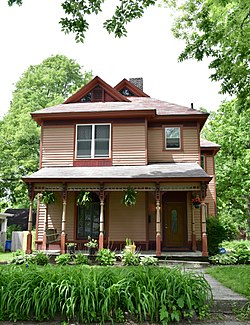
{"x":81,"y":259}
{"x":106,"y":257}
{"x":10,"y":229}
{"x":129,"y":258}
{"x":217,"y":232}
{"x":237,"y":253}
{"x":149,"y":261}
{"x":63,"y":259}
{"x":39,"y":258}
{"x":82,"y":294}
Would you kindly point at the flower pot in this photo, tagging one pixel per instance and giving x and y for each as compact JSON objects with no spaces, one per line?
{"x":197,"y":206}
{"x":92,"y":251}
{"x":71,"y":249}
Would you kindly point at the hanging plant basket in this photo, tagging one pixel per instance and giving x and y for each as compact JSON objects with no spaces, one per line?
{"x":84,"y":199}
{"x":129,"y":197}
{"x":47,"y":197}
{"x":196,"y":201}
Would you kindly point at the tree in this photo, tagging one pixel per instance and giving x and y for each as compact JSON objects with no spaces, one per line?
{"x":231,"y":130}
{"x":218,"y":29}
{"x":42,"y":85}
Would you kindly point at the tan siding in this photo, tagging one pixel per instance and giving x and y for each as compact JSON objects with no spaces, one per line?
{"x":197,"y":221}
{"x":210,"y":165}
{"x":126,"y":222}
{"x":189,"y":152}
{"x":41,"y":220}
{"x":57,"y":146}
{"x":189,"y":217}
{"x":211,"y":191}
{"x":55,"y":213}
{"x":151,"y":213}
{"x":69,"y":227}
{"x":129,"y":144}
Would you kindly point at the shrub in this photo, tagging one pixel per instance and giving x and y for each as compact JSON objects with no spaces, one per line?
{"x":239,"y":253}
{"x":149,"y":261}
{"x":216,"y":233}
{"x":129,"y":258}
{"x":101,"y":295}
{"x":63,"y":259}
{"x":10,"y":229}
{"x":40,"y":258}
{"x":81,"y":259}
{"x":106,"y":257}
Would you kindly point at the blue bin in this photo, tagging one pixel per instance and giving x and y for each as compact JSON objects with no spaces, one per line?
{"x":8,"y":245}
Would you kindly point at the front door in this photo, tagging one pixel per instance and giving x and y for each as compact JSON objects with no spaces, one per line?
{"x":174,"y":225}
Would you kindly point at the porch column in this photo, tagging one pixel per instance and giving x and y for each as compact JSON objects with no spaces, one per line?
{"x":204,"y":229}
{"x":158,"y":222}
{"x":101,"y":235}
{"x":29,"y":236}
{"x":63,"y":236}
{"x":194,"y":247}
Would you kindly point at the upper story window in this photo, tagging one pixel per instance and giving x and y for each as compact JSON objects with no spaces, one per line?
{"x":126,"y":92}
{"x":203,"y":162}
{"x":93,"y":141}
{"x":172,"y":138}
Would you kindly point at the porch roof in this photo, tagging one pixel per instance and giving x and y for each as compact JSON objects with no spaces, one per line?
{"x":167,"y":171}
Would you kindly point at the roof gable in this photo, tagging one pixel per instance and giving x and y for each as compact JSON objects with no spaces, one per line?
{"x":131,"y":88}
{"x":97,"y":90}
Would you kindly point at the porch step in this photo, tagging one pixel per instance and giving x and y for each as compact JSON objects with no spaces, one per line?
{"x":184,"y":264}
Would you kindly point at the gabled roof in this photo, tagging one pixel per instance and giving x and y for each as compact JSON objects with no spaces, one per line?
{"x":131,"y":87}
{"x":97,"y":81}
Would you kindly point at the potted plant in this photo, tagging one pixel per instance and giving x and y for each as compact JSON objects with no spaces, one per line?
{"x":71,"y":247}
{"x":129,"y":197}
{"x":84,"y":199}
{"x":92,"y":245}
{"x":196,"y":201}
{"x":130,"y":246}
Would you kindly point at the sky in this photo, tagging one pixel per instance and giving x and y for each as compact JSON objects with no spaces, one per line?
{"x":31,"y":33}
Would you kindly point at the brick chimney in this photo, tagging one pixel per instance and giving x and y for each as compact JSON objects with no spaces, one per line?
{"x":138,"y":82}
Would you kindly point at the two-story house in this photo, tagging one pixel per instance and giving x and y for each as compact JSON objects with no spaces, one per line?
{"x":104,"y":140}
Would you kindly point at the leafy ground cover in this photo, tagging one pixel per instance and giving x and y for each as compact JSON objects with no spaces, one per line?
{"x":236,"y":278}
{"x":101,"y":294}
{"x":4,"y":257}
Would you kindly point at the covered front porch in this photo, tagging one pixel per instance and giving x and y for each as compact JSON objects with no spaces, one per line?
{"x":163,"y":218}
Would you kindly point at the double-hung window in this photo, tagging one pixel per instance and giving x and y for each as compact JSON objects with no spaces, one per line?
{"x":172,"y":138}
{"x":93,"y":141}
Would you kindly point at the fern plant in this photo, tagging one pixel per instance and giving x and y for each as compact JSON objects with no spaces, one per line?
{"x":84,"y":199}
{"x":129,"y":197}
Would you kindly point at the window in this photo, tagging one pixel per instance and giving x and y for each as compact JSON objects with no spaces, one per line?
{"x":93,"y":141}
{"x":88,"y":219}
{"x":203,"y":162}
{"x":172,"y":138}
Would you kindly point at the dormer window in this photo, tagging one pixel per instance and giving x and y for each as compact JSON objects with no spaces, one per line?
{"x":172,"y":138}
{"x":126,"y":92}
{"x":93,"y":141}
{"x":96,"y":95}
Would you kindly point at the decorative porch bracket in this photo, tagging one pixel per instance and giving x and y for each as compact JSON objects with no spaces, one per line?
{"x":29,"y":236}
{"x":158,"y":221}
{"x":63,"y":235}
{"x":101,"y":234}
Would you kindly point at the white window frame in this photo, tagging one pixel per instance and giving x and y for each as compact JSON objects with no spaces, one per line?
{"x":165,"y":137}
{"x":92,"y":155}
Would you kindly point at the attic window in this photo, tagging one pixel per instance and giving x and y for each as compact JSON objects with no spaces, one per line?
{"x":86,"y":98}
{"x":96,"y":95}
{"x":126,"y":92}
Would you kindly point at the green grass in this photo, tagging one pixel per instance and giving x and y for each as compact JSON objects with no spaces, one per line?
{"x":236,"y":277}
{"x":6,"y":256}
{"x":101,"y":294}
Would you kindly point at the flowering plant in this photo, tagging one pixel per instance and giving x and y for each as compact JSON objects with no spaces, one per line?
{"x":71,"y":244}
{"x":92,"y":243}
{"x":196,"y":199}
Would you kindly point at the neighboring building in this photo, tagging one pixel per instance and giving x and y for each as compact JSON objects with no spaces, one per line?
{"x":104,"y":140}
{"x":20,"y":218}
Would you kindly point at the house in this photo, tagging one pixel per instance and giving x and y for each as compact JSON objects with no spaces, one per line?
{"x":19,"y":217}
{"x":105,"y":140}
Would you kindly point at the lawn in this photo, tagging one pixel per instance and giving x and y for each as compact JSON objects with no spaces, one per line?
{"x":235,"y":277}
{"x":6,"y":256}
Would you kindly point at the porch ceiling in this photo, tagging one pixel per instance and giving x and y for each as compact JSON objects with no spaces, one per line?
{"x":156,"y":172}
